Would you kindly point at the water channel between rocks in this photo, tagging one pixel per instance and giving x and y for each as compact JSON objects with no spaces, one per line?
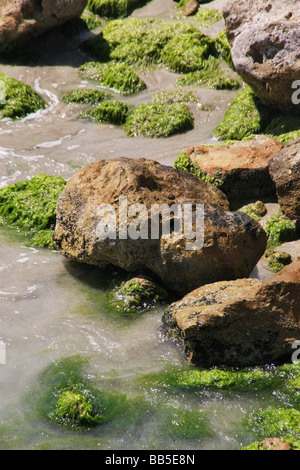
{"x":52,"y":308}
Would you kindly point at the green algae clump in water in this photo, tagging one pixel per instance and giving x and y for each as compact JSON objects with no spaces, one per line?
{"x":111,"y":111}
{"x":85,"y":96}
{"x":153,"y":120}
{"x":30,"y":206}
{"x":18,"y":100}
{"x":280,"y":229}
{"x":118,"y":77}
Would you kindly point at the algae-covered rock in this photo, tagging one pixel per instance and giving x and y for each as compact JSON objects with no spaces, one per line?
{"x":154,"y":120}
{"x":240,"y":169}
{"x":280,"y":229}
{"x":256,"y":210}
{"x":109,"y":111}
{"x":139,"y":293}
{"x":114,"y":8}
{"x":17,"y":100}
{"x":30,"y":206}
{"x":277,"y":260}
{"x":85,"y":96}
{"x":118,"y":77}
{"x":275,"y":443}
{"x":275,"y":422}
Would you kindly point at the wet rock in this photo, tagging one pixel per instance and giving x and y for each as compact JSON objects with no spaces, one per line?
{"x":190,"y":8}
{"x":25,"y":19}
{"x":239,"y":323}
{"x":243,"y":167}
{"x":285,"y":172}
{"x":265,"y":40}
{"x":138,"y":293}
{"x":142,"y":240}
{"x":270,"y":443}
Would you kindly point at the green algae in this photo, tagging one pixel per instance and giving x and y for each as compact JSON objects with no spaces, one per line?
{"x":280,"y":229}
{"x":91,"y":20}
{"x":138,"y":294}
{"x":114,"y":8}
{"x":183,"y":162}
{"x":30,"y":206}
{"x":17,"y":99}
{"x":115,"y":76}
{"x":274,"y":422}
{"x":223,"y":48}
{"x":175,"y":96}
{"x":260,"y":445}
{"x":153,"y":120}
{"x":85,"y":96}
{"x":67,"y":398}
{"x":110,"y":111}
{"x":256,"y":210}
{"x":284,"y":128}
{"x":138,"y":42}
{"x":277,"y":260}
{"x":209,"y":74}
{"x":245,"y":116}
{"x":186,"y":52}
{"x":208,"y":16}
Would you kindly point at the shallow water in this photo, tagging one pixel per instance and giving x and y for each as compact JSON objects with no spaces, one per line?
{"x":52,"y":308}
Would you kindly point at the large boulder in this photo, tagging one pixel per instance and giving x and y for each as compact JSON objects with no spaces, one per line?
{"x":239,"y":323}
{"x":21,"y":20}
{"x":243,"y":167}
{"x":284,"y":169}
{"x":265,"y":38}
{"x":232,"y":245}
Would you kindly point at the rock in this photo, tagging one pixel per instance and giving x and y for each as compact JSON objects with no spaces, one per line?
{"x":285,"y":172}
{"x":265,"y":38}
{"x":25,"y":19}
{"x":239,"y":323}
{"x":190,"y":8}
{"x":233,"y":242}
{"x":138,"y":293}
{"x":270,"y":443}
{"x":243,"y":166}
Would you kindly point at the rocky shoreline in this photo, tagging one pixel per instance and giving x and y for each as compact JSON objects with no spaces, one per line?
{"x":216,"y":312}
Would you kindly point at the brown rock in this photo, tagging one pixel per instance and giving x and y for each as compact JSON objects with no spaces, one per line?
{"x":190,"y":8}
{"x":243,"y":166}
{"x":233,"y":242}
{"x":24,"y":19}
{"x":239,"y":323}
{"x":265,"y":39}
{"x":285,"y":172}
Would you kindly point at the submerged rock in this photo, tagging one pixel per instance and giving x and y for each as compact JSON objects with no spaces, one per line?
{"x":239,"y":323}
{"x":285,"y":172}
{"x":26,"y":19}
{"x":265,"y":39}
{"x":141,"y":233}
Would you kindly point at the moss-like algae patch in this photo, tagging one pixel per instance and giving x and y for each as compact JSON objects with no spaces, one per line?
{"x":110,"y":111}
{"x":280,"y":229}
{"x":114,"y":8}
{"x":118,"y":77}
{"x":30,"y":206}
{"x":153,"y":120}
{"x":247,"y":116}
{"x":18,"y":100}
{"x":85,"y":96}
{"x":183,"y":162}
{"x":175,"y":96}
{"x":277,"y":260}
